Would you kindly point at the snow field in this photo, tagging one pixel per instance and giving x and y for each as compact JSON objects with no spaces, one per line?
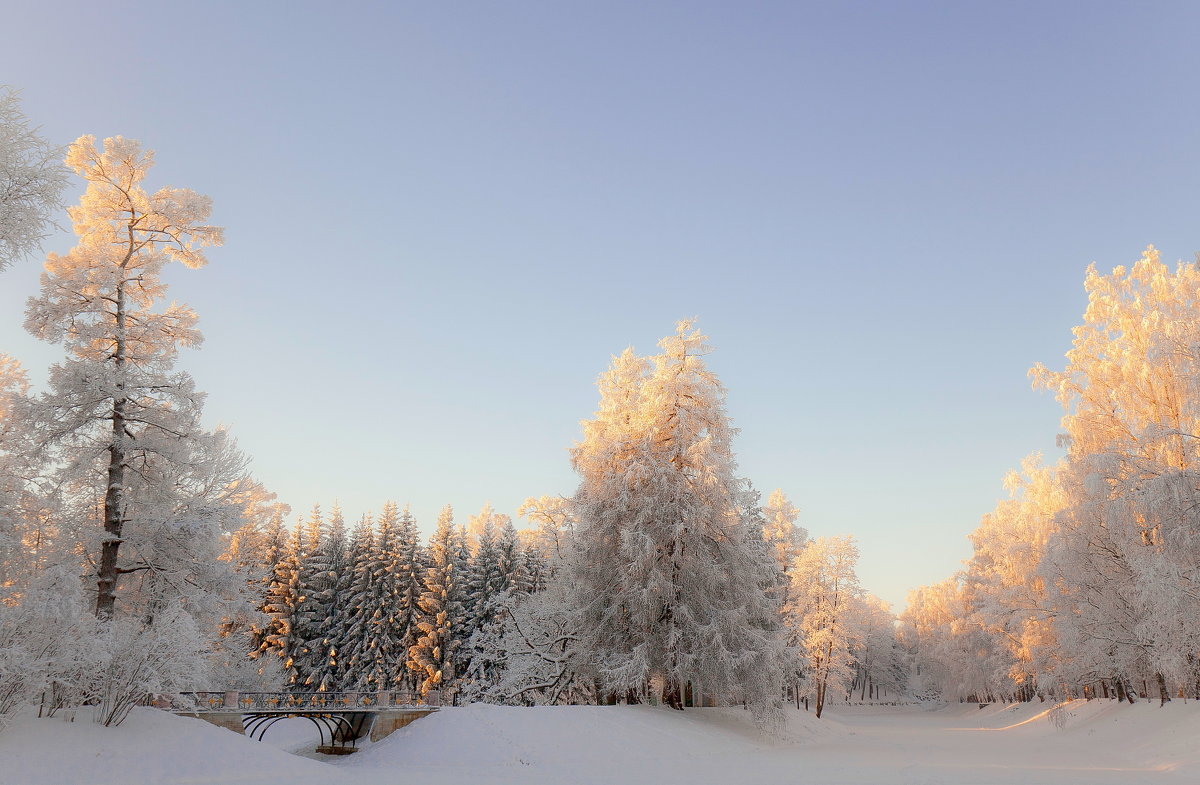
{"x":1099,"y":743}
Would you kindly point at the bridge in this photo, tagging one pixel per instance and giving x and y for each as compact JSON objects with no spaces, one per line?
{"x":341,"y":718}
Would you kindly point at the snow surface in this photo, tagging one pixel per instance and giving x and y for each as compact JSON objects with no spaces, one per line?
{"x":1097,"y":743}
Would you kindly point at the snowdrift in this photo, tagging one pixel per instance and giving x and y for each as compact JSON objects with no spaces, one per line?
{"x":149,"y":748}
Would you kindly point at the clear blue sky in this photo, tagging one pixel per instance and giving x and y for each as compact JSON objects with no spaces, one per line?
{"x":443,"y":218}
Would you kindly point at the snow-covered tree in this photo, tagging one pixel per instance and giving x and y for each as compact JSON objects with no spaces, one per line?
{"x":555,"y":521}
{"x":671,"y":584}
{"x":267,"y":550}
{"x":409,"y":577}
{"x":878,"y":660}
{"x":1122,"y":562}
{"x":434,"y":655}
{"x":538,"y":645}
{"x":331,"y":589}
{"x":486,"y":599}
{"x":32,"y":179}
{"x":819,"y":614}
{"x":780,"y":530}
{"x":117,"y":396}
{"x":357,"y":637}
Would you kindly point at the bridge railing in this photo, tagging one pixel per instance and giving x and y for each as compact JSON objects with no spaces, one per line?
{"x":224,"y":701}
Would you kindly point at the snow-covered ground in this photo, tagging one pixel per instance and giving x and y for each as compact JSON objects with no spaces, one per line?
{"x":1094,"y":743}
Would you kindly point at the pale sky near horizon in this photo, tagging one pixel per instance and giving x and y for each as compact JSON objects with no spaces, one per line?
{"x":442,"y":220}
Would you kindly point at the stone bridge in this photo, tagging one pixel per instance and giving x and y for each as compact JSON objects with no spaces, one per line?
{"x":342,"y":718}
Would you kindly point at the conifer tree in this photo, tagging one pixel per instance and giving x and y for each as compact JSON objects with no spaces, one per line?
{"x":432,"y":658}
{"x":409,"y":572}
{"x":309,"y":613}
{"x":356,"y":639}
{"x":381,"y":653}
{"x":306,"y":580}
{"x":273,"y":603}
{"x":330,"y":595}
{"x":511,"y":561}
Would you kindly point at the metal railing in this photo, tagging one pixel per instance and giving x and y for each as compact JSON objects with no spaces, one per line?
{"x":226,"y":701}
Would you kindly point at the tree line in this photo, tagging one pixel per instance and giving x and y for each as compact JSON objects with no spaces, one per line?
{"x":138,"y":555}
{"x":1086,"y":581}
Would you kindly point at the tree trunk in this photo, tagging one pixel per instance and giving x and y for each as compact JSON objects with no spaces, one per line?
{"x":114,"y":494}
{"x":672,"y":695}
{"x":1163,"y":695}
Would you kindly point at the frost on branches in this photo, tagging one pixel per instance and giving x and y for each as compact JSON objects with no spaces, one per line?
{"x":32,"y":179}
{"x":1085,"y":582}
{"x":670,"y":584}
{"x":118,"y":478}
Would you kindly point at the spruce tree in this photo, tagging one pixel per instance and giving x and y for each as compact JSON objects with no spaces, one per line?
{"x":271,"y":550}
{"x":432,"y":658}
{"x":408,"y":575}
{"x":330,"y":591}
{"x":381,"y":650}
{"x":356,"y":636}
{"x":308,"y":617}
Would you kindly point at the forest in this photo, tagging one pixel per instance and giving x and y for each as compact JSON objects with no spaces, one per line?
{"x":139,"y":556}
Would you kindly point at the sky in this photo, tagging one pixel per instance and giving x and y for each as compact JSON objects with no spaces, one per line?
{"x":443,"y":219}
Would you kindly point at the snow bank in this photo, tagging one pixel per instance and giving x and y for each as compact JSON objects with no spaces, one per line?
{"x":149,"y":748}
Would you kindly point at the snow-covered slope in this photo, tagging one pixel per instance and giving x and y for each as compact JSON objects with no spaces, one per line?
{"x":149,"y":748}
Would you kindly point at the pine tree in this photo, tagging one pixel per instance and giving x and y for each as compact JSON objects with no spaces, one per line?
{"x":275,"y":638}
{"x":485,"y":589}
